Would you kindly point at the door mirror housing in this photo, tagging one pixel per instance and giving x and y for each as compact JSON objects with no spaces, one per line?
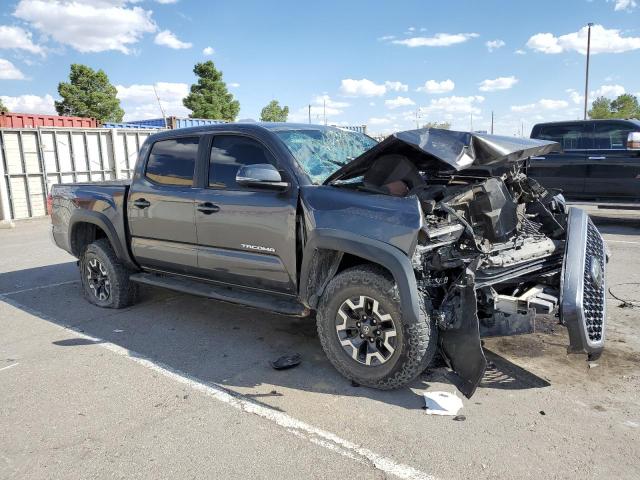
{"x":633,"y":141}
{"x":261,"y":175}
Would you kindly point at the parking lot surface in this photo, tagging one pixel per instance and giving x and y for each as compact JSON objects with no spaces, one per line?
{"x":181,"y":387}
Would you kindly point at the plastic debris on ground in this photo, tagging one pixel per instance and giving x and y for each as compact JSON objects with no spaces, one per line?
{"x":286,"y":361}
{"x":442,"y":403}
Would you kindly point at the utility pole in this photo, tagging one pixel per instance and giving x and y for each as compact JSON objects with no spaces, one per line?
{"x":324,"y":109}
{"x":491,"y":122}
{"x":309,"y":113}
{"x":164,"y":117}
{"x":586,"y":79}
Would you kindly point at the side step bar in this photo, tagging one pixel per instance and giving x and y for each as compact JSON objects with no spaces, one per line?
{"x":247,"y":298}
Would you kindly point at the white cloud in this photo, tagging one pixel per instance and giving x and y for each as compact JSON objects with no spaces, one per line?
{"x":166,"y":2}
{"x":609,"y":91}
{"x":329,"y":102}
{"x":494,"y":44}
{"x":396,"y":86}
{"x":8,"y":71}
{"x":234,"y":85}
{"x":520,"y":52}
{"x":438,"y":40}
{"x":543,"y":104}
{"x":386,"y":38}
{"x":378,"y":121}
{"x":139,"y":100}
{"x":96,"y":26}
{"x":208,"y":51}
{"x":575,"y":96}
{"x":362,"y":87}
{"x":603,"y":40}
{"x":168,"y":39}
{"x":321,"y":105}
{"x":500,"y":83}
{"x":29,"y":104}
{"x":548,"y":104}
{"x":19,"y":39}
{"x":622,"y":5}
{"x":523,"y":108}
{"x":399,"y":102}
{"x":433,"y":86}
{"x":454,"y":104}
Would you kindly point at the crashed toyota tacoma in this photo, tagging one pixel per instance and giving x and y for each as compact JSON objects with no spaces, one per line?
{"x":423,"y":243}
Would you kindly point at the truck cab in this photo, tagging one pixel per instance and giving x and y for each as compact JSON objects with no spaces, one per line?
{"x":599,"y":161}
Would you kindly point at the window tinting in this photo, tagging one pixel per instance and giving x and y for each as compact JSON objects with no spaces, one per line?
{"x":570,"y":137}
{"x":611,"y":135}
{"x":171,"y":162}
{"x":230,"y":152}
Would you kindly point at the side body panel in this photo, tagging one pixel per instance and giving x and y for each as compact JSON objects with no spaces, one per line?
{"x":101,"y":204}
{"x":250,"y":238}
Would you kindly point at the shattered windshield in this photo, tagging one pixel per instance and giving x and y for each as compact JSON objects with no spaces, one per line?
{"x":322,"y":151}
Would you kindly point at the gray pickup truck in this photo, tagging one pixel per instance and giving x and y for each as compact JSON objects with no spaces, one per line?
{"x":400,"y":249}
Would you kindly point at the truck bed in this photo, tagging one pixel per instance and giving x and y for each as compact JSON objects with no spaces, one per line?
{"x":102,"y":204}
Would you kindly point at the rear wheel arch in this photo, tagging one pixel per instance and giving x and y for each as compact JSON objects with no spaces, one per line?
{"x":82,"y":234}
{"x":87,"y":226}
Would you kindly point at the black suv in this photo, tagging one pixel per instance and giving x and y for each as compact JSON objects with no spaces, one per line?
{"x":600,"y":160}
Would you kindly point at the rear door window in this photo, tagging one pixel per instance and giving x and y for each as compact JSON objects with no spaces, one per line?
{"x":229,"y":153}
{"x":172,"y":162}
{"x":611,"y":135}
{"x":569,"y":136}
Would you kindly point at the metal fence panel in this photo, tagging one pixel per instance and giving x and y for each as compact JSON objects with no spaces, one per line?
{"x":31,"y":160}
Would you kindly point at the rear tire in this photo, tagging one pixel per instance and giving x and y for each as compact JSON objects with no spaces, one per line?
{"x":391,"y":355}
{"x":105,"y":280}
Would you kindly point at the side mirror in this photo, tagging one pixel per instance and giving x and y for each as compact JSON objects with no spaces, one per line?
{"x":260,"y":175}
{"x":633,"y":141}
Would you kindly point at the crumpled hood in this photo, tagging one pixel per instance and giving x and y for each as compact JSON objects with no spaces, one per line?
{"x":437,"y":149}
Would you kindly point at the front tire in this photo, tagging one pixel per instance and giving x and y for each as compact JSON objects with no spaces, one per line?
{"x":364,"y":334}
{"x":105,"y":280}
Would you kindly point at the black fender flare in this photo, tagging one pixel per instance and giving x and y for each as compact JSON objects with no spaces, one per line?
{"x":375,"y":251}
{"x":102,"y":221}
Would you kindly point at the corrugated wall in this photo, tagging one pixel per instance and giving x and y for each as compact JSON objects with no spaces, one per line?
{"x":34,"y":159}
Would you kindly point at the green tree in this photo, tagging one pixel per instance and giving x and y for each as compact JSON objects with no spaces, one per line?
{"x":89,"y":94}
{"x":3,"y":109}
{"x":273,"y":112}
{"x":209,"y":98}
{"x":442,"y":125}
{"x":600,"y":108}
{"x":625,"y":106}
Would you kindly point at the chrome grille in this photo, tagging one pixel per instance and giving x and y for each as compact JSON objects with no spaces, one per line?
{"x":594,"y":295}
{"x":583,"y":285}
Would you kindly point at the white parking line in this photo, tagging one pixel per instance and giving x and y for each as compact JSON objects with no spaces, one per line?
{"x":9,"y":366}
{"x":301,"y":429}
{"x":39,"y":287}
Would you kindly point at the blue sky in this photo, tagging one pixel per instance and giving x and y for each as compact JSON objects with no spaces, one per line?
{"x":376,"y":63}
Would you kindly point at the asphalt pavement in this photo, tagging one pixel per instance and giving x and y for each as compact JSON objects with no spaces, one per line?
{"x":181,"y":387}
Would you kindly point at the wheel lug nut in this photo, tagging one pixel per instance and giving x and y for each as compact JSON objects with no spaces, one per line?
{"x":371,"y":340}
{"x":373,"y":321}
{"x":361,"y":336}
{"x":358,"y":324}
{"x":377,"y":332}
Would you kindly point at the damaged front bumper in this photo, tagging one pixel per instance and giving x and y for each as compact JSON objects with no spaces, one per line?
{"x":581,"y":304}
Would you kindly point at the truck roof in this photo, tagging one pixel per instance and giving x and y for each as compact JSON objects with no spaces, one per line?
{"x":257,"y":127}
{"x":566,"y":122}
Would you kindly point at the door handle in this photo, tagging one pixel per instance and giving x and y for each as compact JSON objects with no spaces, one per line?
{"x":596,"y":158}
{"x":141,"y":203}
{"x":208,"y":208}
{"x":538,"y":158}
